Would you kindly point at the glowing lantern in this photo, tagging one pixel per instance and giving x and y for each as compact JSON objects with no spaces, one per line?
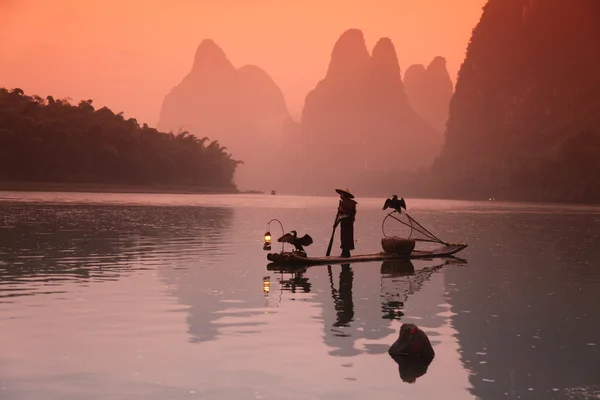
{"x":267,"y":245}
{"x":266,"y":284}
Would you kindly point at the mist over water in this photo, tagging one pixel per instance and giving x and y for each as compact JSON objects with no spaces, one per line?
{"x":160,"y":296}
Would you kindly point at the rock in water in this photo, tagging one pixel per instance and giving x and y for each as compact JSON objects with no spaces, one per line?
{"x":412,"y":352}
{"x":412,"y":341}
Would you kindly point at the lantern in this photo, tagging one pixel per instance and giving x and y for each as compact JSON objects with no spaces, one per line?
{"x":267,"y":245}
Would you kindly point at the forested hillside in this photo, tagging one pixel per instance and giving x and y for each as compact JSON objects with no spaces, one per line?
{"x":50,"y":140}
{"x":524,"y":120}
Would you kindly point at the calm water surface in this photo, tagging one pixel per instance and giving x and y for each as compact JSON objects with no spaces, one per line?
{"x":119,"y":296}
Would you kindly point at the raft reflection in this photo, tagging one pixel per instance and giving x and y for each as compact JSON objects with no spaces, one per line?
{"x":356,"y":314}
{"x":296,"y":281}
{"x":398,"y":281}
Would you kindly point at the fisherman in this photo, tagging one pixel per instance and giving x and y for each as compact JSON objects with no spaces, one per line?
{"x":346,"y":216}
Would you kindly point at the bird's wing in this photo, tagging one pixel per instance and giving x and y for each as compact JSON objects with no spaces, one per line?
{"x":287,"y":238}
{"x":402,"y":203}
{"x":386,"y":204}
{"x":306,"y":240}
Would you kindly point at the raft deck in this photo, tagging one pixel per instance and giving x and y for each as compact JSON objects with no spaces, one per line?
{"x":292,"y":259}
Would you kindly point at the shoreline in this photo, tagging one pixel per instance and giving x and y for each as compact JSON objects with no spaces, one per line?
{"x":115,"y":188}
{"x":70,"y":187}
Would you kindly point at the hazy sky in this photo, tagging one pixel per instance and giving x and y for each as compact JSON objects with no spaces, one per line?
{"x":127,"y":54}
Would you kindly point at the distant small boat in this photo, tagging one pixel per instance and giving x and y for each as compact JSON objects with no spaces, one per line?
{"x":273,"y":192}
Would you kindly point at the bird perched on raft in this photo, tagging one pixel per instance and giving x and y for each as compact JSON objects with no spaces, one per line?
{"x":394,"y":203}
{"x":298,"y":242}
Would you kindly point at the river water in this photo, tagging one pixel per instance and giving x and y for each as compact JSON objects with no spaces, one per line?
{"x":135,"y":296}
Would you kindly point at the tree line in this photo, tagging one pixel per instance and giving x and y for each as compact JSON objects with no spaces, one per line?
{"x":51,"y":140}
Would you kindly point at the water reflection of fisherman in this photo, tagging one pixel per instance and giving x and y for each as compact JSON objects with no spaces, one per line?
{"x":346,"y":216}
{"x":344,"y":306}
{"x":340,"y":337}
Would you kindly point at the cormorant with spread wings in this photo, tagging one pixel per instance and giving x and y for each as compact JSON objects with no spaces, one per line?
{"x":395,"y":203}
{"x":298,"y":242}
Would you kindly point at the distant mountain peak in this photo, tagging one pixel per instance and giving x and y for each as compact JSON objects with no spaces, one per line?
{"x":438,"y":62}
{"x":210,"y":55}
{"x":349,"y":49}
{"x":385,"y":60}
{"x":359,"y":111}
{"x":429,"y":91}
{"x":243,"y":109}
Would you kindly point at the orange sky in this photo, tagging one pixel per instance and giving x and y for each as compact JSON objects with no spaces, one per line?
{"x":127,"y":54}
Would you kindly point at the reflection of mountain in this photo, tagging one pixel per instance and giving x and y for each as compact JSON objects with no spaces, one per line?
{"x":356,"y":314}
{"x":202,"y":281}
{"x":51,"y":244}
{"x":526,"y":314}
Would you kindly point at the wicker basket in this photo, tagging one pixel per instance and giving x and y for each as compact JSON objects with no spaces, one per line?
{"x":397,"y":245}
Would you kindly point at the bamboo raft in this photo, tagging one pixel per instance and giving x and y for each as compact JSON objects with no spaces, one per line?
{"x":395,"y":248}
{"x":289,"y":258}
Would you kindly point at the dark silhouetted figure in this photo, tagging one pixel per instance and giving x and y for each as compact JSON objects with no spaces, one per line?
{"x":394,"y":203}
{"x":298,"y":242}
{"x":346,"y":216}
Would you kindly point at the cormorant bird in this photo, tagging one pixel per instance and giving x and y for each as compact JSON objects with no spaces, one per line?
{"x":297,"y":242}
{"x":395,"y":203}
